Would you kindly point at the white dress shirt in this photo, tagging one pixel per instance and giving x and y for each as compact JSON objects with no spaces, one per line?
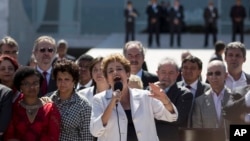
{"x":231,"y":83}
{"x":193,"y":87}
{"x":48,"y":73}
{"x":217,"y":102}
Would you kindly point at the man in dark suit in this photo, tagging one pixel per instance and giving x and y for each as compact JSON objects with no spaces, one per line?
{"x":154,"y":14}
{"x":44,"y":51}
{"x":130,"y":14}
{"x":180,"y":96}
{"x":238,"y":15}
{"x":164,"y":20}
{"x":176,"y":22}
{"x":135,"y":53}
{"x":191,"y":68}
{"x":210,"y":16}
{"x":5,"y":108}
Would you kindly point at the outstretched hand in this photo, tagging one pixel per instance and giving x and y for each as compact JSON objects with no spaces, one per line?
{"x":158,"y":93}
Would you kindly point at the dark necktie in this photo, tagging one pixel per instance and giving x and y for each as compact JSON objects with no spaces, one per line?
{"x":189,"y":87}
{"x":44,"y":87}
{"x":80,"y":88}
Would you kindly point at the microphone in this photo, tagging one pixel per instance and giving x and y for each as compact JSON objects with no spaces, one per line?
{"x":117,"y":90}
{"x":118,"y":86}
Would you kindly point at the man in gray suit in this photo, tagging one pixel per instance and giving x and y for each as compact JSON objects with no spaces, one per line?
{"x":207,"y":107}
{"x":5,"y":108}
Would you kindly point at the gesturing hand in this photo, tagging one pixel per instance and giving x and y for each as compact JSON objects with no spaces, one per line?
{"x":158,"y":93}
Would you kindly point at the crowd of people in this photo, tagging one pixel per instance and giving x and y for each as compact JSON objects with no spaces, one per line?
{"x":59,"y":97}
{"x":166,"y":17}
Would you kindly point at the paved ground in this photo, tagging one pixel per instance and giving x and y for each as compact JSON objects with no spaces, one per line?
{"x":191,"y":42}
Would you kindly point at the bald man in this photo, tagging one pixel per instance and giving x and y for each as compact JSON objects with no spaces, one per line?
{"x":207,"y":107}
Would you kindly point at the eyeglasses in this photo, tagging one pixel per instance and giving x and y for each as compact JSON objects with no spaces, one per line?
{"x":28,"y":85}
{"x":217,"y":73}
{"x":50,"y":50}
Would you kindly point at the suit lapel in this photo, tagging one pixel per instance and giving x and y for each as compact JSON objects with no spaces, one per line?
{"x":199,"y":89}
{"x":134,"y":100}
{"x":211,"y":107}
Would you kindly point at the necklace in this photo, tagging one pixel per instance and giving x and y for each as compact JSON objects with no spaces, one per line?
{"x":31,"y":110}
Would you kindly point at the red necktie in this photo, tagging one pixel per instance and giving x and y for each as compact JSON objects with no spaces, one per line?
{"x":44,"y":87}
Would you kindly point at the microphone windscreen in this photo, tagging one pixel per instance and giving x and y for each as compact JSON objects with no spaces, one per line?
{"x":118,"y":86}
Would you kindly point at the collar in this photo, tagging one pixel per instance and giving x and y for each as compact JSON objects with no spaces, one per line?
{"x":220,"y":95}
{"x":56,"y":98}
{"x":193,"y":85}
{"x":41,"y":71}
{"x":242,"y":77}
{"x":89,"y":84}
{"x":139,"y":73}
{"x":166,"y":89}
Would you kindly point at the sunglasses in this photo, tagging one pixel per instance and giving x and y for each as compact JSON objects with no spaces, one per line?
{"x":48,"y":50}
{"x":217,"y":73}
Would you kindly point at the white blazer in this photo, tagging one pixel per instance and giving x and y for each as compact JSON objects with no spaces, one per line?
{"x":143,"y":109}
{"x":88,"y":93}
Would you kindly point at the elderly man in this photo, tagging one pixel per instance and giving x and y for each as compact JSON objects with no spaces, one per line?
{"x":207,"y":107}
{"x":180,"y":96}
{"x":44,"y":51}
{"x":135,"y":53}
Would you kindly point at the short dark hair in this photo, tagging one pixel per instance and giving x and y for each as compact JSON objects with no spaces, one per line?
{"x":219,"y":46}
{"x":24,"y":72}
{"x":84,"y":57}
{"x":193,"y":59}
{"x":236,"y":45}
{"x":66,"y":66}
